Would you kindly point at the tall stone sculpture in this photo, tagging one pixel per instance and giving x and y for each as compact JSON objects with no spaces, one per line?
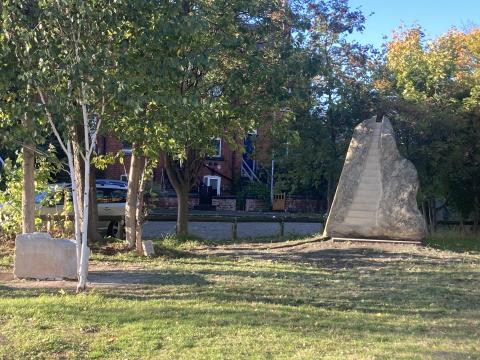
{"x":376,"y":193}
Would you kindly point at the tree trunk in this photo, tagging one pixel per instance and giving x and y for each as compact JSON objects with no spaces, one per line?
{"x":134,"y":175}
{"x":77,"y":136}
{"x":93,"y":232}
{"x":78,"y":145}
{"x":28,"y":190}
{"x":434,"y":210}
{"x":140,"y":210}
{"x":182,"y":175}
{"x":425,"y":215}
{"x":476,"y":214}
{"x":182,"y":211}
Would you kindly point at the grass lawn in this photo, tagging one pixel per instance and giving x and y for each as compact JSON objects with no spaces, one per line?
{"x":333,"y":302}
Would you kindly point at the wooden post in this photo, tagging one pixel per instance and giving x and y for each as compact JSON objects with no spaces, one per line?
{"x":234,"y":229}
{"x":282,"y":227}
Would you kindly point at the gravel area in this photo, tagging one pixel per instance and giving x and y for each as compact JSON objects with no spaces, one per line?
{"x":222,"y":231}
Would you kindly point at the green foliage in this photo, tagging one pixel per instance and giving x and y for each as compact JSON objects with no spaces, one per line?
{"x":256,"y":190}
{"x":338,"y":97}
{"x":433,"y":88}
{"x":11,"y":198}
{"x":176,"y":96}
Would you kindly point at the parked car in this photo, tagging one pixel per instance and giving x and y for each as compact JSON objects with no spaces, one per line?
{"x":111,"y":200}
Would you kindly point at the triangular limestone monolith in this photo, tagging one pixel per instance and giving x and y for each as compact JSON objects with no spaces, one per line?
{"x":376,"y":192}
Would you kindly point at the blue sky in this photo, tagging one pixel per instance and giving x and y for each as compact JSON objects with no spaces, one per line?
{"x":435,"y":16}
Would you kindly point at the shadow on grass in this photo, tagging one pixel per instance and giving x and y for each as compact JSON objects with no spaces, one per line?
{"x":138,"y":277}
{"x":342,"y":280}
{"x":347,"y":258}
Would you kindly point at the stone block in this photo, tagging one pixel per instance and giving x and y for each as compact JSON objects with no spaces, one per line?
{"x":376,"y":193}
{"x":39,"y":256}
{"x":148,"y":249}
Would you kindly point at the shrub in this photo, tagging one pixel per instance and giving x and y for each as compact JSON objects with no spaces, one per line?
{"x":11,"y":176}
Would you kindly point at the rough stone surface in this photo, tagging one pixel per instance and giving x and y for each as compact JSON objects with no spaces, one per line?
{"x":39,"y":256}
{"x":148,"y":249}
{"x":376,"y":193}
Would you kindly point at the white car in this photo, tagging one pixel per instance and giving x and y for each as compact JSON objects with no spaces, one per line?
{"x":111,"y":199}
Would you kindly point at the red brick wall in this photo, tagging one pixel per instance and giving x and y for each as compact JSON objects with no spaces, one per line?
{"x":225,"y":204}
{"x":302,"y":205}
{"x":170,"y":202}
{"x":227,"y":166}
{"x":255,"y":205}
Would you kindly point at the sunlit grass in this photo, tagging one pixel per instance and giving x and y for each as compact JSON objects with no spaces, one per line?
{"x":422,"y":305}
{"x":455,"y":241}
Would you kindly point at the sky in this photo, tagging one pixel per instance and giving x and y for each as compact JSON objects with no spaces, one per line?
{"x":435,"y":16}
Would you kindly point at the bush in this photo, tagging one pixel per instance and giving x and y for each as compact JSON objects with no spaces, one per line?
{"x":255,"y":190}
{"x":11,"y":177}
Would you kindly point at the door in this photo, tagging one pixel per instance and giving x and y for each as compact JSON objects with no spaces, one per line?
{"x":214,"y":182}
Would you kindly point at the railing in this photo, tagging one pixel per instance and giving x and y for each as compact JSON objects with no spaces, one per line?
{"x":248,"y":172}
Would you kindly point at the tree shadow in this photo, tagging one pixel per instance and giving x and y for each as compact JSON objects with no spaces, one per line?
{"x":146,"y":277}
{"x":352,"y":279}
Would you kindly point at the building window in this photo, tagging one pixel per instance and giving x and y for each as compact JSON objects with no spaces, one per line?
{"x":214,"y":181}
{"x":217,"y":145}
{"x":127,"y":147}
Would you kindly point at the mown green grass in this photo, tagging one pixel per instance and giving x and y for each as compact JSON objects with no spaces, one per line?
{"x":454,"y":241}
{"x":424,"y":305}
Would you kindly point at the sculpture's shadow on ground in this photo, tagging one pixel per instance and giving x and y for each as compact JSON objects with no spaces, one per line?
{"x":350,"y":257}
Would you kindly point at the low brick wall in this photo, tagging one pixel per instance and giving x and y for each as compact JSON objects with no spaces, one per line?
{"x":171,"y":202}
{"x":225,"y":203}
{"x":255,"y":205}
{"x":294,"y":204}
{"x":302,"y":204}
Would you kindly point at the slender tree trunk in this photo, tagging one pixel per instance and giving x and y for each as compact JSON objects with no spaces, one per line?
{"x":76,"y":206}
{"x":28,"y":190}
{"x":78,"y":149}
{"x":77,"y":135}
{"x":134,"y":175}
{"x":85,"y":251}
{"x":425,"y":215}
{"x":93,"y":232}
{"x":431,"y":207}
{"x":140,"y":211}
{"x":182,"y":211}
{"x":462,"y":226}
{"x":476,"y":214}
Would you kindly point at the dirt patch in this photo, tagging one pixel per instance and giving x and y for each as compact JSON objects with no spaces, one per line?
{"x":323,"y":254}
{"x":335,"y":255}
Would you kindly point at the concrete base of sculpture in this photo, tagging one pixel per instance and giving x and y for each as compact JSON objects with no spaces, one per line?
{"x":39,"y":256}
{"x":377,"y":241}
{"x":376,"y":192}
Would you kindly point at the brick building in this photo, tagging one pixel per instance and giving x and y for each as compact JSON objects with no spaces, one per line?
{"x":223,"y":170}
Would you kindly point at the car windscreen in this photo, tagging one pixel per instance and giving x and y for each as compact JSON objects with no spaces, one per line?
{"x":106,"y":195}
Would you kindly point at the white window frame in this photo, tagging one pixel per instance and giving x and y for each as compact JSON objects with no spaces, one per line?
{"x":208,"y":178}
